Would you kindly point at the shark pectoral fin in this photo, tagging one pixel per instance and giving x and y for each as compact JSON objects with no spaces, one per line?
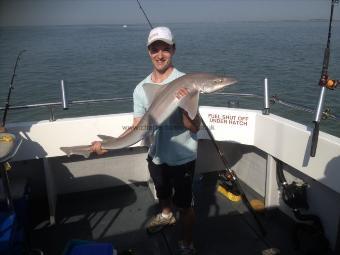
{"x":66,"y":150}
{"x":106,"y":137}
{"x":83,"y":150}
{"x":152,"y":90}
{"x":190,"y":104}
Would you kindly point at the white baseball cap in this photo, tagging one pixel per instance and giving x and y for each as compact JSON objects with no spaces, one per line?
{"x":161,"y":34}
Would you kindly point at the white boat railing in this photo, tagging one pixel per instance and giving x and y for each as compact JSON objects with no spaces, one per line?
{"x":327,"y":114}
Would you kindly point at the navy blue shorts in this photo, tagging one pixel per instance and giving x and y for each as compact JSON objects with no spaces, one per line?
{"x":173,"y":182}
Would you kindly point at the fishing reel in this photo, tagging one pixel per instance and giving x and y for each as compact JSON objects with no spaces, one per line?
{"x":227,"y":181}
{"x":227,"y":176}
{"x":9,"y":146}
{"x":294,"y":194}
{"x":328,"y":83}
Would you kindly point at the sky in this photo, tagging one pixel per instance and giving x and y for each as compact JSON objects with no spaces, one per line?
{"x":75,"y":12}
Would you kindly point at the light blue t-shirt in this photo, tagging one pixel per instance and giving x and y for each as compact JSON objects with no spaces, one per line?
{"x":173,"y":144}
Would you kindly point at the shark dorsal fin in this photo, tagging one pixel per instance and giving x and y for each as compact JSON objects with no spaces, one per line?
{"x":106,"y":137}
{"x":152,"y":90}
{"x":190,"y":104}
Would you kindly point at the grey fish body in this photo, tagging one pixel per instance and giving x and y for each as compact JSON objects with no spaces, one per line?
{"x":139,"y":133}
{"x":112,"y":143}
{"x":164,"y":101}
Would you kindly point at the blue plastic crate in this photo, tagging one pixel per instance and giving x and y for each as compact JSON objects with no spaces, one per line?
{"x":82,"y":247}
{"x":7,"y":229}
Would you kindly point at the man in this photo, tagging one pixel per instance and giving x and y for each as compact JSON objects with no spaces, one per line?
{"x":171,"y":158}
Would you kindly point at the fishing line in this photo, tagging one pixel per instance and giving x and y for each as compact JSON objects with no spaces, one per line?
{"x":140,"y":6}
{"x":231,"y":173}
{"x":162,"y":233}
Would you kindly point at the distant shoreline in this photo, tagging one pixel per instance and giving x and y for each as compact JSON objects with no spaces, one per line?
{"x":146,"y":25}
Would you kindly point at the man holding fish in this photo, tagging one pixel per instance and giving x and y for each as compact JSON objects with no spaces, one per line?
{"x":171,"y":158}
{"x":166,"y":103}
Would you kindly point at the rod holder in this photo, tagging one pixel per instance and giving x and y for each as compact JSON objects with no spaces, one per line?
{"x":316,"y":121}
{"x":52,"y":117}
{"x":319,"y":107}
{"x":266,"y":108}
{"x":64,"y":95}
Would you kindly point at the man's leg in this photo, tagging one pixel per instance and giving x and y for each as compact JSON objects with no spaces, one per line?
{"x":165,"y":205}
{"x":163,"y":188}
{"x":183,"y":199}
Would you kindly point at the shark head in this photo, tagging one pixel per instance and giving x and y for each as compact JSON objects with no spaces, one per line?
{"x":211,"y":83}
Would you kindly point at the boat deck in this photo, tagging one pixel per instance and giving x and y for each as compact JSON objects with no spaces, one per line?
{"x":119,"y":215}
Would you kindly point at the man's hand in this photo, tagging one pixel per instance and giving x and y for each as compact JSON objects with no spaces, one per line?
{"x":193,"y":125}
{"x":2,"y":129}
{"x":182,"y":92}
{"x":96,"y":147}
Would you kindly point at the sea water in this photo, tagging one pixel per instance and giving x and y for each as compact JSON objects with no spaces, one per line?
{"x":107,"y":61}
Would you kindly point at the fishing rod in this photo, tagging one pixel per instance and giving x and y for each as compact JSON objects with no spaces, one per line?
{"x":140,"y":6}
{"x":230,"y":176}
{"x":10,"y":90}
{"x":325,"y":83}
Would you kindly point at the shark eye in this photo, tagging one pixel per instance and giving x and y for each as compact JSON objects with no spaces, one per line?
{"x":218,"y":81}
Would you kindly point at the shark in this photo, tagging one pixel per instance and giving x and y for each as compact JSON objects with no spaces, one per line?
{"x":164,"y":100}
